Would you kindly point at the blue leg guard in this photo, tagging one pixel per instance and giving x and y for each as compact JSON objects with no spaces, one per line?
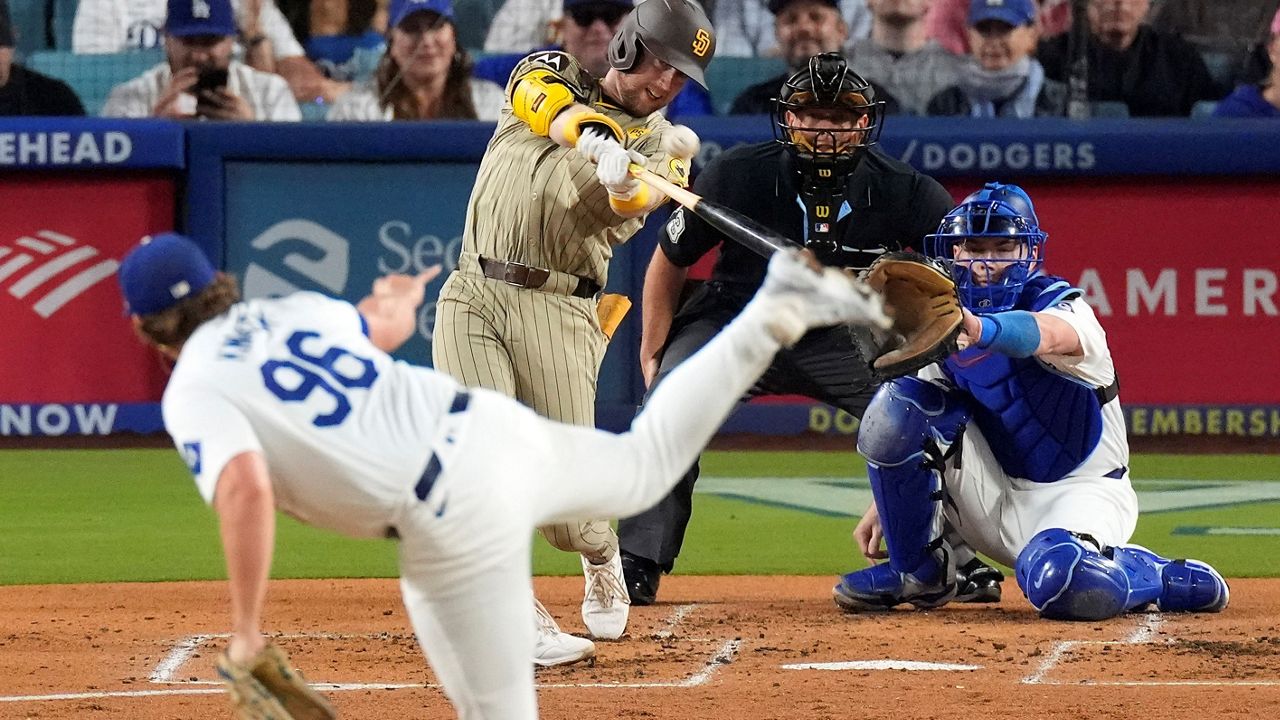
{"x":1187,"y":585}
{"x":904,"y":435}
{"x":1066,"y":578}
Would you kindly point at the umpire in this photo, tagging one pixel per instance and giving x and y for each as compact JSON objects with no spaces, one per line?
{"x":820,"y":180}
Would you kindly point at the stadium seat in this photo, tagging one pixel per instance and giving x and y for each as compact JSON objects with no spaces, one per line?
{"x":472,"y":18}
{"x":29,"y":25}
{"x":1204,"y":109}
{"x":1222,"y":65}
{"x":1108,"y":109}
{"x":727,"y":77}
{"x":64,"y":15}
{"x":93,"y":76}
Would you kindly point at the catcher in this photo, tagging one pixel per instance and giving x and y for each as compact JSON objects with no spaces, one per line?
{"x":823,"y":180}
{"x":1017,"y":441}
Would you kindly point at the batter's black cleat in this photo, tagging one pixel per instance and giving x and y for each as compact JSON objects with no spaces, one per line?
{"x":642,"y":576}
{"x":977,"y":582}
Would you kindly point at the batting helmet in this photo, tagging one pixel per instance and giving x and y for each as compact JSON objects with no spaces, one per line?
{"x":827,"y":83}
{"x":996,"y":212}
{"x":676,"y":31}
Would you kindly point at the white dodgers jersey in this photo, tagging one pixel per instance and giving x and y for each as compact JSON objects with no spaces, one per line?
{"x":345,"y":429}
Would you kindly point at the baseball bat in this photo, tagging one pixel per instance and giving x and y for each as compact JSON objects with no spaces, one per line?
{"x":734,"y":225}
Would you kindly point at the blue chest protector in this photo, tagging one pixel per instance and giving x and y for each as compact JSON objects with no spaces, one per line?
{"x":1040,"y":425}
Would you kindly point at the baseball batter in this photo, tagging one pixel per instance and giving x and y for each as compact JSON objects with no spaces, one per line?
{"x":1018,"y":439}
{"x":552,"y":199}
{"x":294,"y":403}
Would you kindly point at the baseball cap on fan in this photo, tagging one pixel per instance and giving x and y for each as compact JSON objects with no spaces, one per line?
{"x":1014,"y":13}
{"x":401,"y":9}
{"x":186,"y":18}
{"x":161,"y":271}
{"x":776,"y":6}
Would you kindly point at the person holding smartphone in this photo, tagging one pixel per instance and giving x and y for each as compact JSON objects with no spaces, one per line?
{"x":199,"y":79}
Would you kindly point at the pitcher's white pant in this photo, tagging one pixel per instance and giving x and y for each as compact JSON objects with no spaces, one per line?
{"x":465,"y":550}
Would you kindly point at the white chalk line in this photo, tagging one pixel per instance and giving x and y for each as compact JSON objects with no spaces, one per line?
{"x":188,"y":646}
{"x":1145,"y":633}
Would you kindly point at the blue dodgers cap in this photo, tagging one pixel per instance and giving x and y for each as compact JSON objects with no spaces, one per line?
{"x":1012,"y":12}
{"x":401,"y":9}
{"x":200,"y":17}
{"x":161,"y":271}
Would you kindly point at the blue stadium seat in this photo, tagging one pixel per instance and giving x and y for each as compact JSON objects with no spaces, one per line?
{"x":29,"y":25}
{"x":93,"y":76}
{"x":472,"y":18}
{"x":1108,"y":109}
{"x":1203,"y":109}
{"x":64,"y":15}
{"x":727,"y":77}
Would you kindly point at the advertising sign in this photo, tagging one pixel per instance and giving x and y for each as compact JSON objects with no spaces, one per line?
{"x":71,"y":363}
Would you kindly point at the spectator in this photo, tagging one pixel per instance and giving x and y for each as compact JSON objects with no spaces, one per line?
{"x":584,"y":31}
{"x":804,"y":28}
{"x":266,"y":41}
{"x":423,"y":75}
{"x":1001,"y":77}
{"x":743,"y":27}
{"x":25,"y":92}
{"x":340,"y":36}
{"x":199,"y":78}
{"x":948,"y":22}
{"x":1258,"y":100}
{"x":900,"y":56}
{"x":1231,"y":35}
{"x":1153,"y":73}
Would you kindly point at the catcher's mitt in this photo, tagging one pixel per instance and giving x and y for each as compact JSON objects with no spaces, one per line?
{"x":268,"y":688}
{"x":921,"y":297}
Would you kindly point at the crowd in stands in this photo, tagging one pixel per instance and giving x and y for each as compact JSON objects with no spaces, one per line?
{"x":379,"y":60}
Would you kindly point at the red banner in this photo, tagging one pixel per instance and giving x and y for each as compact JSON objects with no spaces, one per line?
{"x":1182,"y":273}
{"x":1183,"y":276}
{"x":66,"y":338}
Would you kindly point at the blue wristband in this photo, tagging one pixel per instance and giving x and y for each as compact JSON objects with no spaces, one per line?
{"x":1014,"y":333}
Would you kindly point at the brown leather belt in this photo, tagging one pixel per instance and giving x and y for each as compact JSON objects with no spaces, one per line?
{"x":531,"y":278}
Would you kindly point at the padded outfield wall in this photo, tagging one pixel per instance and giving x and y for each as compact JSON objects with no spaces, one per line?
{"x":1171,"y":228}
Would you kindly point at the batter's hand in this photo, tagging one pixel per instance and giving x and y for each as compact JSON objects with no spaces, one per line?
{"x":869,"y":535}
{"x":614,"y":171}
{"x":592,"y":144}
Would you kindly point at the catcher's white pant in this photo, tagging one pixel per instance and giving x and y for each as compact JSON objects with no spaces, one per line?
{"x":998,"y":515}
{"x":465,"y":550}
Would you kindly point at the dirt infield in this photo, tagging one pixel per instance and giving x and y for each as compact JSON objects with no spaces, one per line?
{"x":716,"y":647}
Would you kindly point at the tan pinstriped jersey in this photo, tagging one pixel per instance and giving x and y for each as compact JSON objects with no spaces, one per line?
{"x":538,"y":203}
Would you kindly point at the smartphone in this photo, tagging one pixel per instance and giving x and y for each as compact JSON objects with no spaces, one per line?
{"x":210,"y":79}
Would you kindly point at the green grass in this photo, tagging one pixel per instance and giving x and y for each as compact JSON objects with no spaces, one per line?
{"x":134,"y":515}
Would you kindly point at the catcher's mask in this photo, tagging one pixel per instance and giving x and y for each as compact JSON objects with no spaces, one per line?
{"x":996,"y":212}
{"x":829,"y":84}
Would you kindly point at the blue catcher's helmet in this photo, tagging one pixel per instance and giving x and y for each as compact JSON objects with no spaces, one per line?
{"x":997,"y":211}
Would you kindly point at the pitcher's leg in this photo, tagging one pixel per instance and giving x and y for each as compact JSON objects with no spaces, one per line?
{"x":476,"y":631}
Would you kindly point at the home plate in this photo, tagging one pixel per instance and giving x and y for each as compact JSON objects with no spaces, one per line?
{"x":880,"y":665}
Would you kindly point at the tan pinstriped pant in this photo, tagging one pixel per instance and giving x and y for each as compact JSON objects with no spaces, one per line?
{"x":544,"y":349}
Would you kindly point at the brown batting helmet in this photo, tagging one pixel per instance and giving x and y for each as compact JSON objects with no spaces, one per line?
{"x":678,"y":32}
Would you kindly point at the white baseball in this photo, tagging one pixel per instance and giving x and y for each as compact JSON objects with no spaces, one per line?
{"x":680,"y":141}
